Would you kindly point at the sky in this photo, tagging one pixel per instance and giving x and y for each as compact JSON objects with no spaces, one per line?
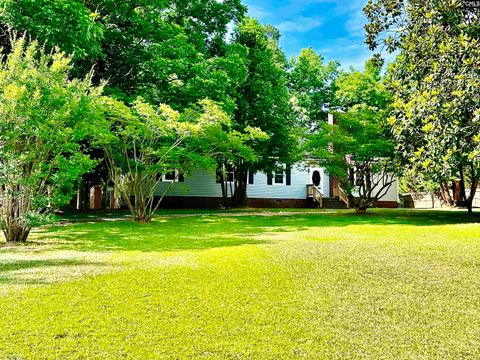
{"x":333,"y":28}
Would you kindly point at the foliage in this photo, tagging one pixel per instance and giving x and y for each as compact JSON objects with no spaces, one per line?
{"x":167,"y":51}
{"x":263,"y":102}
{"x":66,"y":23}
{"x":435,"y":80}
{"x":312,"y":87}
{"x":104,"y":289}
{"x":170,"y":51}
{"x":45,"y":117}
{"x":148,"y":142}
{"x":357,"y":149}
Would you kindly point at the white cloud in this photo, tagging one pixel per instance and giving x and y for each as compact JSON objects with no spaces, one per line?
{"x":300,"y":24}
{"x":257,"y":12}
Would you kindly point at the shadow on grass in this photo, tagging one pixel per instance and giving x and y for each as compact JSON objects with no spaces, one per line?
{"x":210,"y":231}
{"x":15,"y":271}
{"x":186,"y":233}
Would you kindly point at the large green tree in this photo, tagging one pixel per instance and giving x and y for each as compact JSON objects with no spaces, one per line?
{"x":435,"y":81}
{"x":45,"y":117}
{"x":312,"y":87}
{"x":263,"y":102}
{"x":357,"y":150}
{"x":68,"y":24}
{"x":168,"y":51}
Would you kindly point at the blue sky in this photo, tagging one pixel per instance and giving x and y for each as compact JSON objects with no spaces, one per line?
{"x":333,"y":28}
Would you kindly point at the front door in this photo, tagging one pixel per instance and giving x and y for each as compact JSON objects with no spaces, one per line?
{"x":315,"y":177}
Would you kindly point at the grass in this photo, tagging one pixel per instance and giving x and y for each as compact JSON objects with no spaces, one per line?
{"x":388,"y":285}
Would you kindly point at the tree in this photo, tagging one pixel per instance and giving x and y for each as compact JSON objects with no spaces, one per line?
{"x":312,"y":87}
{"x":147,"y":143}
{"x":435,"y":81}
{"x":167,"y":51}
{"x":357,"y":150}
{"x":263,"y":102}
{"x":170,"y":51}
{"x":45,"y":117}
{"x":68,"y":24}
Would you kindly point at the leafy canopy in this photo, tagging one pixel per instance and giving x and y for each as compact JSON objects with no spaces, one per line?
{"x":45,"y":118}
{"x":312,"y":87}
{"x":435,"y":81}
{"x":357,"y":150}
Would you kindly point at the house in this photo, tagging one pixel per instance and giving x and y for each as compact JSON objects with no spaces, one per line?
{"x":287,"y":188}
{"x":302,"y":186}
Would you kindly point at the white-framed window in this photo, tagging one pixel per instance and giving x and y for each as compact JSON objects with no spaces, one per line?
{"x":279,"y":176}
{"x":227,"y":171}
{"x":359,"y":180}
{"x":172,"y":176}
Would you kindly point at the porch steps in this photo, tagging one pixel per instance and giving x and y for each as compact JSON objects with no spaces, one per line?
{"x":333,"y":203}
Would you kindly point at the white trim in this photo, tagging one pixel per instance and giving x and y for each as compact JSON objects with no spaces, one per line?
{"x":284,"y":177}
{"x":175,"y":176}
{"x":226,"y":173}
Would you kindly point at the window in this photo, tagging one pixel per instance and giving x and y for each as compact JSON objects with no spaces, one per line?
{"x":278,"y":176}
{"x":169,"y":176}
{"x":359,"y":181}
{"x":227,"y":171}
{"x":173,"y":176}
{"x":251,"y":177}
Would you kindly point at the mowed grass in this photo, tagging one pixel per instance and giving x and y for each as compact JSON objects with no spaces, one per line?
{"x":328,"y":285}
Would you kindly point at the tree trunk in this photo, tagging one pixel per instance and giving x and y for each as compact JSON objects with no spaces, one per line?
{"x":361,"y":210}
{"x":463,"y":194}
{"x":456,"y":192}
{"x":241,"y":177}
{"x":15,"y":233}
{"x":142,"y":216}
{"x":444,"y":195}
{"x":143,"y":219}
{"x":473,"y":189}
{"x":360,"y":204}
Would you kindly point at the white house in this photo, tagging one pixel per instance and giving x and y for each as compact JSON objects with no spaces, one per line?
{"x":293,"y":188}
{"x":304,"y":185}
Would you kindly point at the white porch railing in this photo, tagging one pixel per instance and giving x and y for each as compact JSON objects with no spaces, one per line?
{"x":342,"y":195}
{"x":315,"y":193}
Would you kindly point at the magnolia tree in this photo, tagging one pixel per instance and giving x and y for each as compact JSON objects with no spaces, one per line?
{"x":45,"y":117}
{"x":147,"y":142}
{"x":435,"y":81}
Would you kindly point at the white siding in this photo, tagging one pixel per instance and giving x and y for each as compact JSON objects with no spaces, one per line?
{"x":201,"y":183}
{"x":297,"y":190}
{"x":392,"y":193}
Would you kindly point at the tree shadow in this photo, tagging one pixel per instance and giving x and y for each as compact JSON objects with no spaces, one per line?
{"x":20,"y":271}
{"x":211,"y":231}
{"x":183,"y":233}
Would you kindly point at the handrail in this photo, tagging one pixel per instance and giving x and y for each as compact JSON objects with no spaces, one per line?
{"x":343,"y":196}
{"x":316,"y":193}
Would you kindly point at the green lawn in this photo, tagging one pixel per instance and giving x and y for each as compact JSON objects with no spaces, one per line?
{"x":331,"y":285}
